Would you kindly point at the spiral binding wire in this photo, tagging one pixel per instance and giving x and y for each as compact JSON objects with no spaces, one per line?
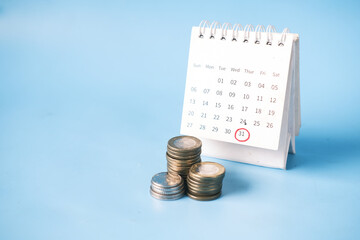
{"x":283,"y":37}
{"x":258,"y":30}
{"x":269,"y":30}
{"x":224,"y":29}
{"x":247,"y":30}
{"x":202,"y":28}
{"x":236,"y":28}
{"x":213,"y":28}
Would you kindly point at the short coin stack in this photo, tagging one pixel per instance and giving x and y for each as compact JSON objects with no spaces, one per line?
{"x":166,"y":187}
{"x":204,"y":181}
{"x":182,"y":153}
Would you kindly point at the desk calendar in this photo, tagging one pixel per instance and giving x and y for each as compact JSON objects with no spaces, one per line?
{"x":242,"y":93}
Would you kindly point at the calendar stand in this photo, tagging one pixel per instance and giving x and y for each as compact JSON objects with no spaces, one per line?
{"x":242,"y":96}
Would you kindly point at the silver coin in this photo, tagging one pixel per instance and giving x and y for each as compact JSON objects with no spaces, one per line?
{"x":167,"y":197}
{"x":168,"y":191}
{"x":164,"y":180}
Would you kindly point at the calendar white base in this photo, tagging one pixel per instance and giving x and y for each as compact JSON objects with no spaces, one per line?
{"x":246,"y":154}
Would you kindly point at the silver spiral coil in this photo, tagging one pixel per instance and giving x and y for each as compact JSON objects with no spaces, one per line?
{"x":247,"y":31}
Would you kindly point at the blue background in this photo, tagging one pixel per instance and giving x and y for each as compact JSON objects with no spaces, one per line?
{"x":90,"y":92}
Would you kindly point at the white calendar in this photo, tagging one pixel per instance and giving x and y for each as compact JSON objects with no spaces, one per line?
{"x":242,"y":92}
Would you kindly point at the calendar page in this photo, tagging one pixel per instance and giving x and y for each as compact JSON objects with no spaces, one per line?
{"x":235,"y":90}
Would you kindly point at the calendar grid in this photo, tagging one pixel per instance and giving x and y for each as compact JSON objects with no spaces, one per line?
{"x":235,"y":92}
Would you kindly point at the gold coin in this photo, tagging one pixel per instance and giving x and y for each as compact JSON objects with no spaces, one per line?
{"x":177,"y":167}
{"x":181,"y":165}
{"x":202,"y":180}
{"x":204,"y":198}
{"x":204,"y":190}
{"x":178,"y":170}
{"x":169,"y":158}
{"x":184,"y":144}
{"x":207,"y":170}
{"x":183,"y":155}
{"x":202,"y":184}
{"x":185,"y":165}
{"x":203,"y":193}
{"x":183,"y":160}
{"x":174,"y":173}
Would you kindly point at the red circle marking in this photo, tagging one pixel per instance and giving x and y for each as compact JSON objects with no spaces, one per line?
{"x":239,"y":130}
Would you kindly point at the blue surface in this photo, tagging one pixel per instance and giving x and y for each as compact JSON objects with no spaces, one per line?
{"x":90,"y":92}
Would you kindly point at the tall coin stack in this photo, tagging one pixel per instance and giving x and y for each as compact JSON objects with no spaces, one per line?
{"x":204,"y":181}
{"x":182,"y":153}
{"x":166,"y":187}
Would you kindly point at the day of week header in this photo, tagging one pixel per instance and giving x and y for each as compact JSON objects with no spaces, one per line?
{"x":235,"y":69}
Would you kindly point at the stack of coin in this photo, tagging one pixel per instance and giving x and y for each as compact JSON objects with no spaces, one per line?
{"x":204,"y":181}
{"x":166,"y":187}
{"x":182,"y":153}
